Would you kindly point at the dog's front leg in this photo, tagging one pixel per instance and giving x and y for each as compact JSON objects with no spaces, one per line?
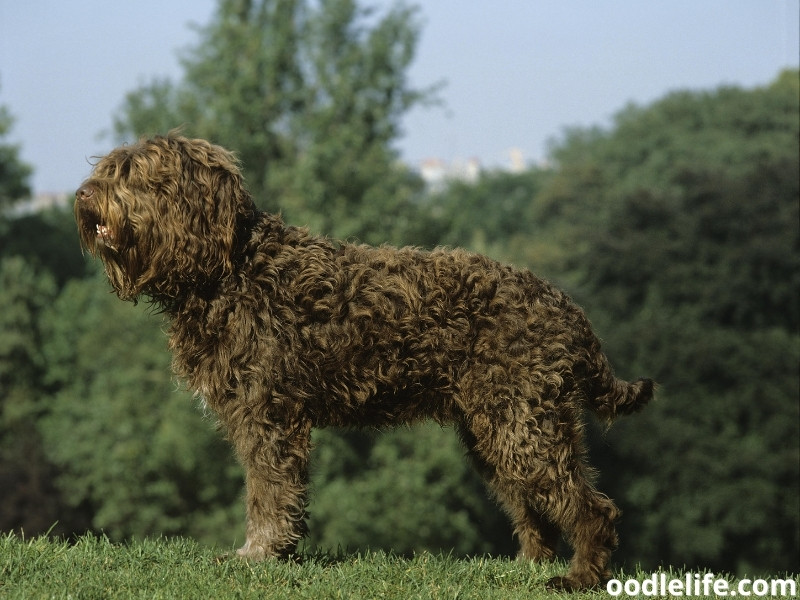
{"x":276,"y":466}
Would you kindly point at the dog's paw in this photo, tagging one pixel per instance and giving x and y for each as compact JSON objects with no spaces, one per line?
{"x":252,"y":551}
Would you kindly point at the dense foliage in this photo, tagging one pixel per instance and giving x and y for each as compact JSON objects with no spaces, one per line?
{"x":676,"y":227}
{"x":13,"y":172}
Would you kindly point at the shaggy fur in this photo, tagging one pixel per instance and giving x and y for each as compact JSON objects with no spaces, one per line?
{"x":281,"y":331}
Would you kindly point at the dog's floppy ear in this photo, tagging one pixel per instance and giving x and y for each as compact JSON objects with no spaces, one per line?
{"x":206,"y":205}
{"x":199,"y":198}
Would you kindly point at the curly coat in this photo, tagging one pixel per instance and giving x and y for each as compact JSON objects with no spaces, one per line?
{"x":281,"y":331}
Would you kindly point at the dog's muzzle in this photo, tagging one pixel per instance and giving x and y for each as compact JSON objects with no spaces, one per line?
{"x":90,"y":219}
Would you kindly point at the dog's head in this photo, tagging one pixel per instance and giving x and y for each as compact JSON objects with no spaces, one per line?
{"x":164,"y":215}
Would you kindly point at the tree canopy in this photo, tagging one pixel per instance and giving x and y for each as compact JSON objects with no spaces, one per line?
{"x":311,"y":97}
{"x":14,"y":173}
{"x":689,"y":262}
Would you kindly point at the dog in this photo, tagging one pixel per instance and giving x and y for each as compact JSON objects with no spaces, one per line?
{"x":279,"y":331}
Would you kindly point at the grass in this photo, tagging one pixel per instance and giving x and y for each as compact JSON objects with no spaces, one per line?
{"x":93,"y":567}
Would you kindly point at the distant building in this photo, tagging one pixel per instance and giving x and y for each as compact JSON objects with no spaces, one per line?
{"x":437,"y":173}
{"x":41,"y":201}
{"x":517,"y":161}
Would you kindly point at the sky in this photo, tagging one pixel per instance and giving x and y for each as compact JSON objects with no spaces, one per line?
{"x":517,"y":72}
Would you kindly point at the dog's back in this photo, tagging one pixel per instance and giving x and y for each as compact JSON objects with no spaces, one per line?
{"x":383,"y":335}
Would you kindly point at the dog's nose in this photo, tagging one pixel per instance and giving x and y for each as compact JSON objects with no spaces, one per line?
{"x":84,"y":192}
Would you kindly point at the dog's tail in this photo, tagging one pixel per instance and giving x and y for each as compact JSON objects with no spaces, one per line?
{"x":612,"y":397}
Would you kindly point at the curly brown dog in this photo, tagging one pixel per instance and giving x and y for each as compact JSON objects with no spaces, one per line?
{"x":281,"y":331}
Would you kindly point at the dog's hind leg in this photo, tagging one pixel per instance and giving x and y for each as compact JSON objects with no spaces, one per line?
{"x":587,"y":519}
{"x":533,"y":459}
{"x":537,"y":535}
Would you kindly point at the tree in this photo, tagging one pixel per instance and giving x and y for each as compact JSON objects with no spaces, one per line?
{"x":28,"y":500}
{"x":14,"y":173}
{"x":487,"y":216}
{"x":407,"y":490}
{"x":25,"y":292}
{"x":127,"y":443}
{"x":47,"y":241}
{"x":705,"y":290}
{"x":310,"y":96}
{"x":685,"y":251}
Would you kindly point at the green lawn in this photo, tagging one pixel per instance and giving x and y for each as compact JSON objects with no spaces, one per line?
{"x":95,"y":568}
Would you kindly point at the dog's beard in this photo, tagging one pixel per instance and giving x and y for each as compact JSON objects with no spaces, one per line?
{"x":112,"y":240}
{"x":96,"y":233}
